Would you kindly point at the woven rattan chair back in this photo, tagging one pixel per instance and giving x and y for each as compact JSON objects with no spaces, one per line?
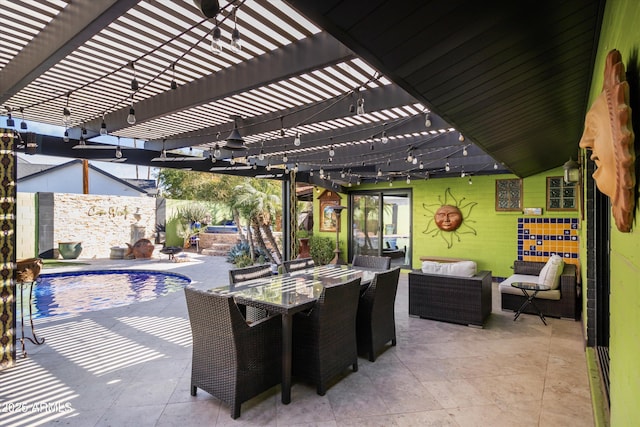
{"x":237,"y":275}
{"x":324,"y":339}
{"x":298,"y":264}
{"x":371,"y":261}
{"x":231,"y":360}
{"x":376,"y":324}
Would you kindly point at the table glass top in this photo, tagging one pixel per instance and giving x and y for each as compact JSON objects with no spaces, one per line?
{"x":296,"y":288}
{"x":530,"y":286}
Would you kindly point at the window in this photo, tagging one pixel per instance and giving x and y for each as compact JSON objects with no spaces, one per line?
{"x":561,"y":196}
{"x":508,"y":194}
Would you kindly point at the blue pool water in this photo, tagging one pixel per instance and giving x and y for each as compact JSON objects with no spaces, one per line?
{"x":78,"y":292}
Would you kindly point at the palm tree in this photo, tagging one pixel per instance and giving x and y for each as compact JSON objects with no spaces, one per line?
{"x":259,"y":206}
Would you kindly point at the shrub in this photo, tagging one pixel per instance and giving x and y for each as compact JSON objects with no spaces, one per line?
{"x":239,"y":254}
{"x":321,"y":249}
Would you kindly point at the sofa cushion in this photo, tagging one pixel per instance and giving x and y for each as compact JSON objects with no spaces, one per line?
{"x":505,"y":287}
{"x":460,"y":268}
{"x":550,"y":273}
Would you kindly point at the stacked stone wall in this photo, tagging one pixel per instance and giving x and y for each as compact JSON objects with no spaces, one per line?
{"x":101,"y":222}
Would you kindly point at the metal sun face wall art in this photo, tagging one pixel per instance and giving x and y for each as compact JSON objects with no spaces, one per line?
{"x":450,"y":218}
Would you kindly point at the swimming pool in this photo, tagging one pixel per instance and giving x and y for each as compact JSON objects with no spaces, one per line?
{"x":83,"y":291}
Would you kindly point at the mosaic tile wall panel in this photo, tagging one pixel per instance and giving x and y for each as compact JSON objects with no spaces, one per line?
{"x":539,"y":238}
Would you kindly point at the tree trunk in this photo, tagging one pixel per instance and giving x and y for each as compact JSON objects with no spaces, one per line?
{"x":236,"y":219}
{"x":257,"y":234}
{"x":252,"y":250}
{"x":267,"y":232}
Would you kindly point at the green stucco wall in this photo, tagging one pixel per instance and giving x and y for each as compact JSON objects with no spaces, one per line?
{"x":621,"y":30}
{"x":486,"y":236}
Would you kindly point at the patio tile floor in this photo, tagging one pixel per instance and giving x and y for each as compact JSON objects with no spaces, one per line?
{"x":130,"y":366}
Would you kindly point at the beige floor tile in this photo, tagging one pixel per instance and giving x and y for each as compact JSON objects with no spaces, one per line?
{"x":132,"y":365}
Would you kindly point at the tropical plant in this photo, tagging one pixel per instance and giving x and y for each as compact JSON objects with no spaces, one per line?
{"x":239,"y":253}
{"x":321,"y":249}
{"x":258,"y":203}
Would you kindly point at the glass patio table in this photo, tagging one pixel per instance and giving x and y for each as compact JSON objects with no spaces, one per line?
{"x":290,"y":293}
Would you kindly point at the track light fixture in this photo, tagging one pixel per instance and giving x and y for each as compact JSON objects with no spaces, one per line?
{"x":66,"y":113}
{"x":10,"y":122}
{"x":163,"y":153}
{"x":134,"y":81}
{"x":23,"y":124}
{"x":410,"y":157}
{"x":360,"y":107}
{"x":174,"y":84}
{"x":118,"y":150}
{"x":103,"y":127}
{"x":131,"y":118}
{"x":427,"y":120}
{"x":236,"y":42}
{"x":216,"y":39}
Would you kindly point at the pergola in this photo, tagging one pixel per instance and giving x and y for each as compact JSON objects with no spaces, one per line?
{"x":338,"y":92}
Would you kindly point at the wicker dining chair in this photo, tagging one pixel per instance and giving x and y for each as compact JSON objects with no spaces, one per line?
{"x":372,"y":261}
{"x":324,"y":338}
{"x":375,"y":324}
{"x":239,"y":275}
{"x":298,"y":264}
{"x":231,"y":360}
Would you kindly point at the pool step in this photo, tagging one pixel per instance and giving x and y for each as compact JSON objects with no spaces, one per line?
{"x":217,"y":249}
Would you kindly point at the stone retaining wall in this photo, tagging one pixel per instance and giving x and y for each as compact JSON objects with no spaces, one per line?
{"x":100,"y":222}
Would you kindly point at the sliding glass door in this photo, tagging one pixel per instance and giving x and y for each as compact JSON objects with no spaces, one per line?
{"x":381,"y":225}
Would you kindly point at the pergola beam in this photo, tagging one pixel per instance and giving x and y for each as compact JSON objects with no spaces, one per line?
{"x":72,"y":27}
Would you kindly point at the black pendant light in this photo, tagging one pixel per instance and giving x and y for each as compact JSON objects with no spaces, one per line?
{"x":235,"y":141}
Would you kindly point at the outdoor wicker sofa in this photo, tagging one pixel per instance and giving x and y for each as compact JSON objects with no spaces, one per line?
{"x":455,"y":299}
{"x":567,"y":306}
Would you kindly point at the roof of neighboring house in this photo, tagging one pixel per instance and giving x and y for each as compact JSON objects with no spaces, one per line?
{"x":27,"y":171}
{"x":148,"y":185}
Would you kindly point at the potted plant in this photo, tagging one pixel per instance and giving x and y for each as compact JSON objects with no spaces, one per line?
{"x":304,"y":251}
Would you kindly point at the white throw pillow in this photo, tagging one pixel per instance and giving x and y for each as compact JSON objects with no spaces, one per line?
{"x":550,"y":274}
{"x":460,"y":268}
